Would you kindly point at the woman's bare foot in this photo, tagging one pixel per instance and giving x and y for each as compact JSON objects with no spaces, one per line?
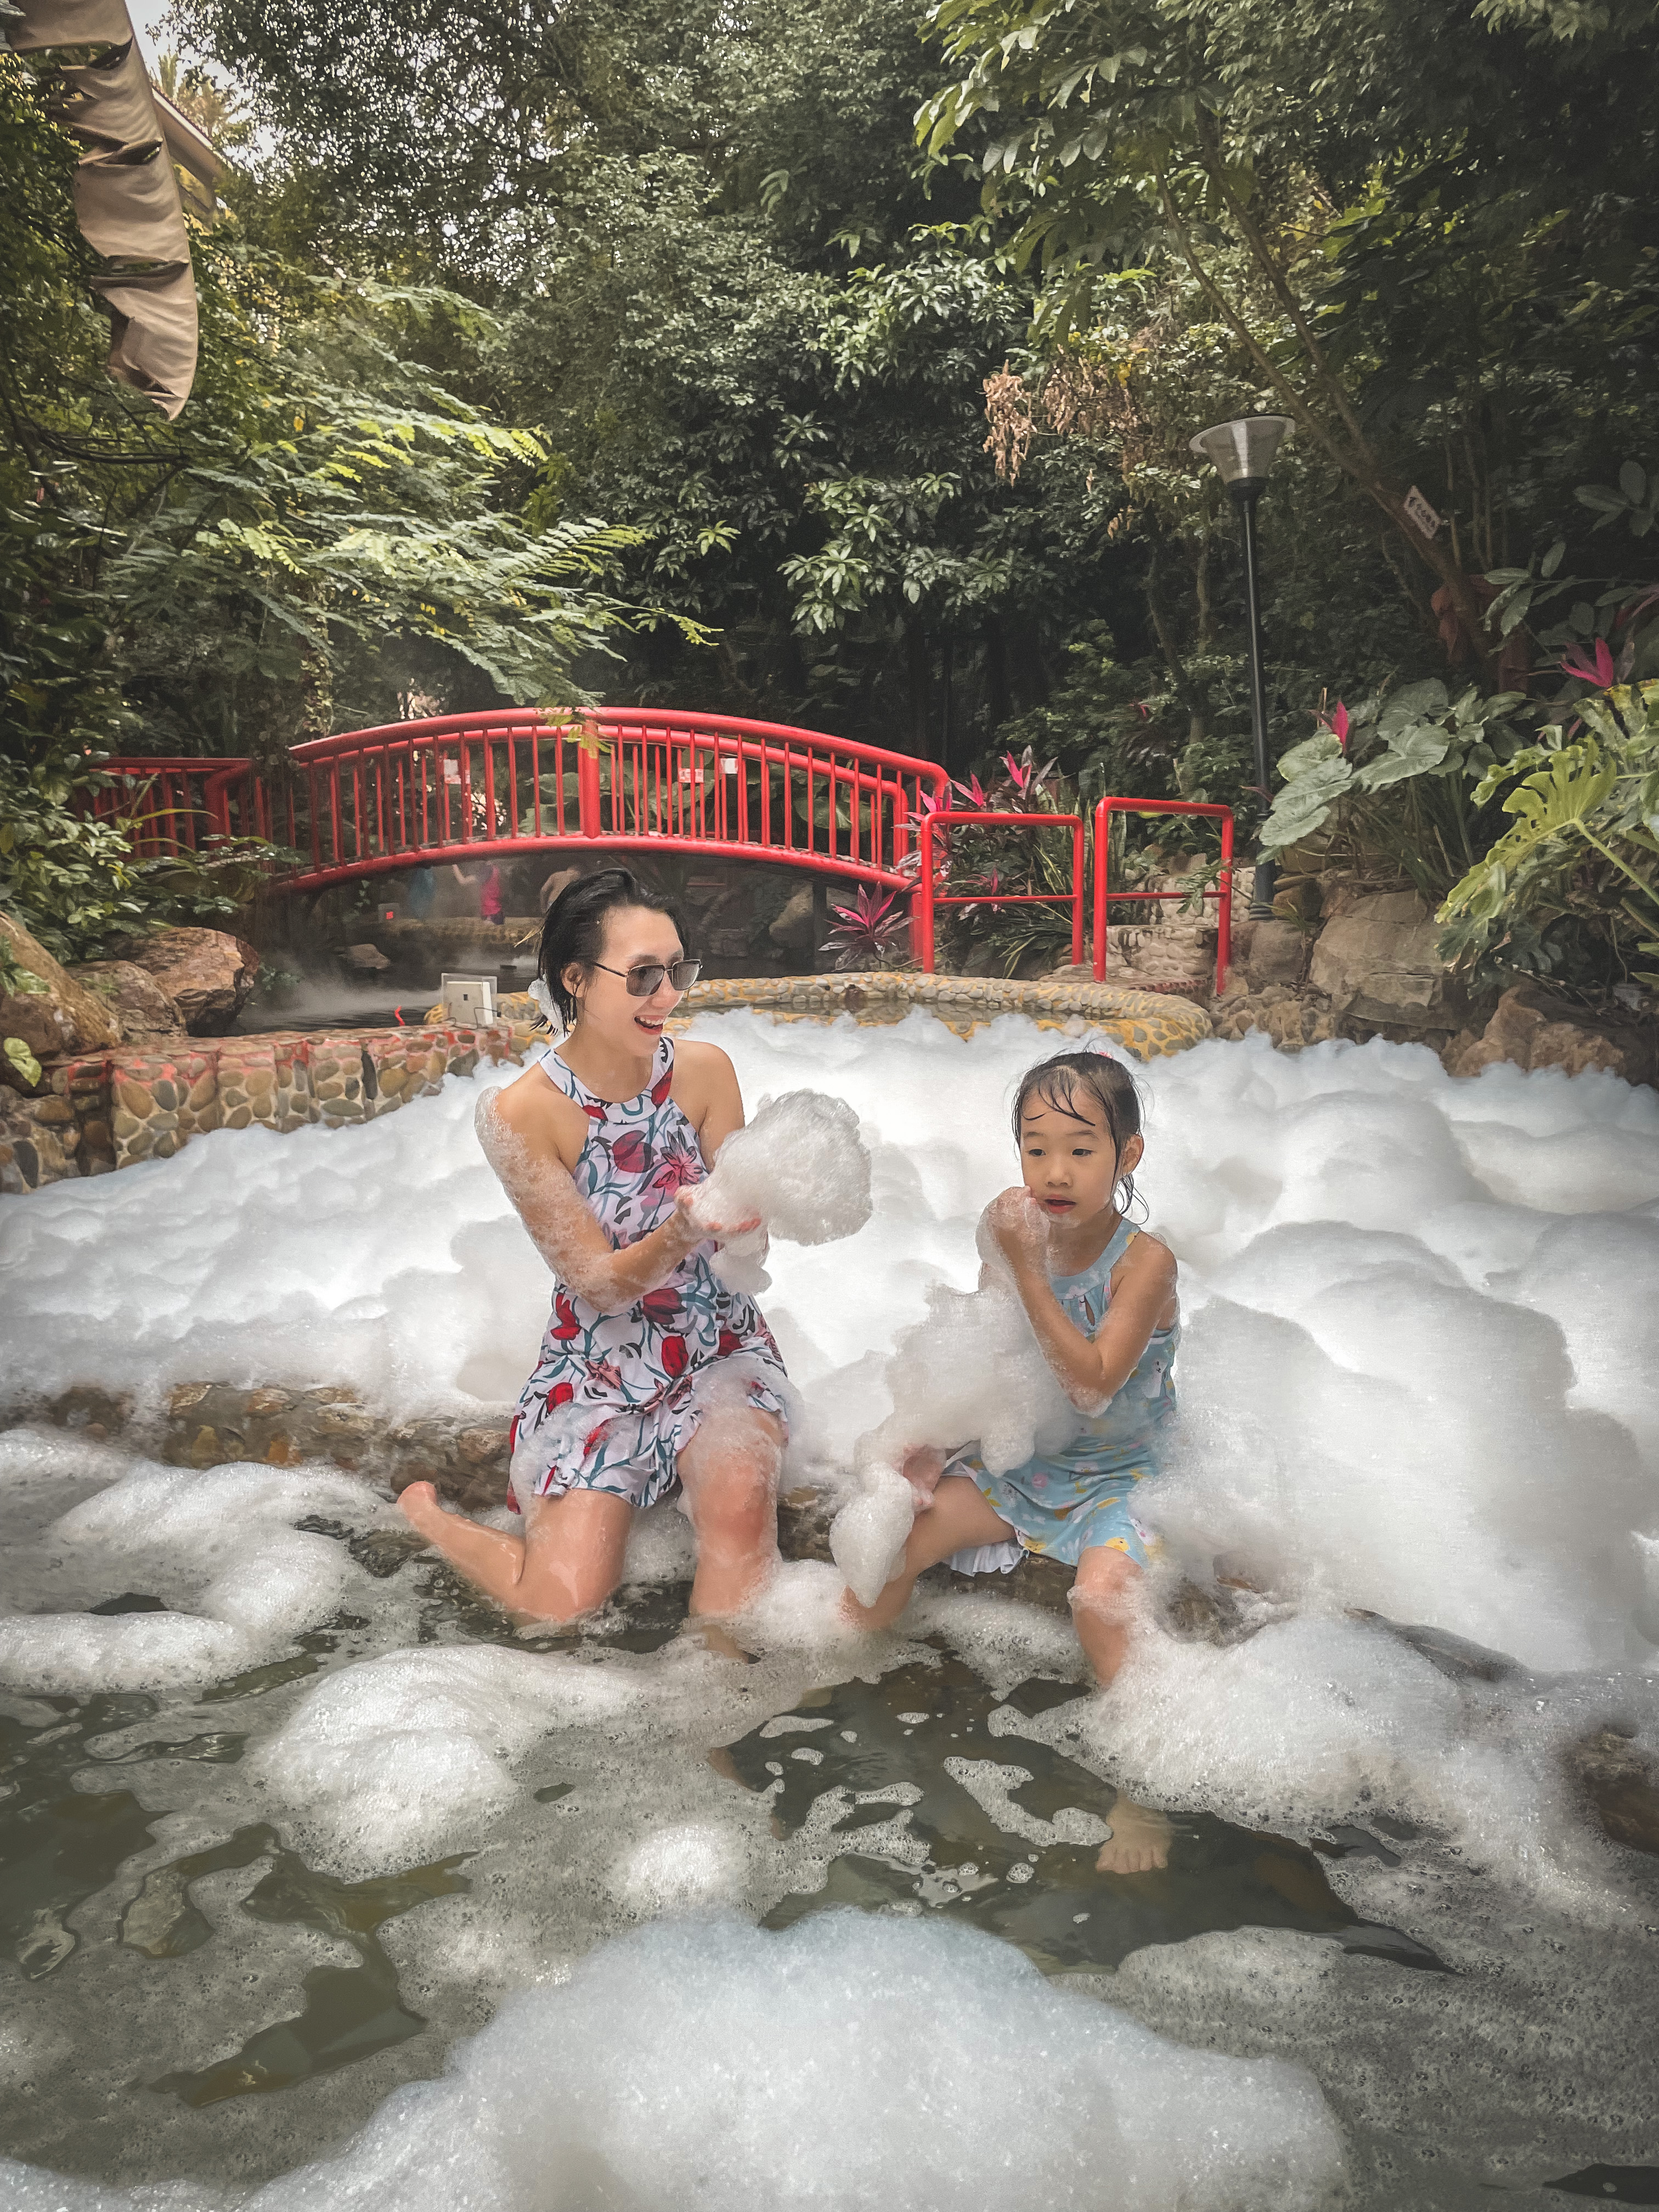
{"x":419,"y":1504}
{"x":713,"y":1635}
{"x":1138,"y":1842}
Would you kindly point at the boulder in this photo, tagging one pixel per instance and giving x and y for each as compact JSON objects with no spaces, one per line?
{"x":369,"y":959}
{"x":790,"y":930}
{"x":1376,"y":961}
{"x":51,"y":1012}
{"x":1277,"y":952}
{"x":1292,"y":1019}
{"x":1532,"y":1029}
{"x":143,"y":1008}
{"x":208,"y":974}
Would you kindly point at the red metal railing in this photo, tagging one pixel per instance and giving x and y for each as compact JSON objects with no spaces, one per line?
{"x":1223,"y":892}
{"x":179,"y":804}
{"x":369,"y":802}
{"x":927,"y":898}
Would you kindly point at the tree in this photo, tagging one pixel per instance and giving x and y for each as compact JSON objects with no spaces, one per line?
{"x":1305,"y":165}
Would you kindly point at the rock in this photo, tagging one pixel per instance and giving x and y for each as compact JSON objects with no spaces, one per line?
{"x":1278,"y":953}
{"x":146,"y":1015}
{"x":1376,"y":961}
{"x":1292,"y":1019}
{"x":790,"y":930}
{"x":207,"y":973}
{"x":53,"y":1014}
{"x":1532,"y":1029}
{"x":369,"y":959}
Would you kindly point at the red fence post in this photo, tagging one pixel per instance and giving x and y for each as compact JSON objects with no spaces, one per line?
{"x":1224,"y":892}
{"x":587,"y":786}
{"x":925,"y":898}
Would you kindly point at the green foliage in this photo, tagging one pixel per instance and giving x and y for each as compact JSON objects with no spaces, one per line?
{"x":1584,"y":841}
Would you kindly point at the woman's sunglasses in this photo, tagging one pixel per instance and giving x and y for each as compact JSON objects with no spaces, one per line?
{"x":643,"y":981}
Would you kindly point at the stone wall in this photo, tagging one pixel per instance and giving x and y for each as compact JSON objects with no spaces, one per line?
{"x":113,"y":1110}
{"x":1361,"y":964}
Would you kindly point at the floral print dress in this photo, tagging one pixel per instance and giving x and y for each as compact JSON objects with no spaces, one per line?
{"x":617,"y":1397}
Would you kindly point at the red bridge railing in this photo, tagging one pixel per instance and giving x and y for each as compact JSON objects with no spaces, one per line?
{"x":369,"y":802}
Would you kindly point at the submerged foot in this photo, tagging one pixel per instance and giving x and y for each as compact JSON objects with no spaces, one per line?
{"x":1138,"y":1842}
{"x":714,"y":1636}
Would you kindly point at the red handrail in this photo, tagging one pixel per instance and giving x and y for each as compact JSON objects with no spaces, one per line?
{"x":1223,"y":892}
{"x":453,"y":787}
{"x":927,"y":898}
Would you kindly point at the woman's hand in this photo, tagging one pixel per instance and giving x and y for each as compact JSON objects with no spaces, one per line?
{"x":1020,"y":1228}
{"x":696,"y":1232}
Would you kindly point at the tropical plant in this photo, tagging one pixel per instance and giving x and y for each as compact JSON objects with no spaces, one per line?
{"x":1584,"y":843}
{"x":1421,"y":749}
{"x":874,"y":932}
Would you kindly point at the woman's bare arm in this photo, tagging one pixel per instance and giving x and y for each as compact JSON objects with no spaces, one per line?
{"x":1090,"y":1370}
{"x":521,"y":1140}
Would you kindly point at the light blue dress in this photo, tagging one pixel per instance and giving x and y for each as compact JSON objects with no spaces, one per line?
{"x":1065,"y":1503}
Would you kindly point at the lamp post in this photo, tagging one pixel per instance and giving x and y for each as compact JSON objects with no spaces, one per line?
{"x":1241,"y":453}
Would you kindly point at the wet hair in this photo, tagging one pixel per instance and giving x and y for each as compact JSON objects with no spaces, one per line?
{"x":573,"y":934}
{"x":1056,"y":1082}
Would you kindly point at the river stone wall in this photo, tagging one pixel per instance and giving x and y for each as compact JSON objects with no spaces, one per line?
{"x":111,"y":1109}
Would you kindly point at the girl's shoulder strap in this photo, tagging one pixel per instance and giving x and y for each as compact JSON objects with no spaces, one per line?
{"x":1122,"y":1237}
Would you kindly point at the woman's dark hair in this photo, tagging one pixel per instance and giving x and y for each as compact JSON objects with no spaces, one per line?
{"x":1056,"y":1082}
{"x":572,"y":934}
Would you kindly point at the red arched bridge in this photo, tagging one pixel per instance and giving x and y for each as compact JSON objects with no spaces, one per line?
{"x":478,"y":786}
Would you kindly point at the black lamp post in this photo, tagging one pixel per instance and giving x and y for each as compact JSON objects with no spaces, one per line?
{"x":1241,"y":453}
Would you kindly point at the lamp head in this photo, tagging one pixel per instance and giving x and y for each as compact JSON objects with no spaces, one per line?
{"x":1242,"y":451}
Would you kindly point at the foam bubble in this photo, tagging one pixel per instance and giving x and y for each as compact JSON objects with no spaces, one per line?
{"x":218,"y":1548}
{"x":404,"y":1757}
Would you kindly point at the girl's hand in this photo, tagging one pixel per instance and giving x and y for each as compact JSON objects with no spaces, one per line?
{"x":1020,"y":1229}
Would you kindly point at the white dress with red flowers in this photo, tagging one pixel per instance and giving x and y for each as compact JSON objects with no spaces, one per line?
{"x":615,"y":1398}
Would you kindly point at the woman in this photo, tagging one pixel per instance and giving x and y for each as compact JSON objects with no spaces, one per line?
{"x":654,"y":1377}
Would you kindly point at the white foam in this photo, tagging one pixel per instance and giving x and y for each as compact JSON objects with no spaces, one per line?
{"x":404,"y":1758}
{"x":218,"y":1548}
{"x":800,"y":1166}
{"x":707,"y":2067}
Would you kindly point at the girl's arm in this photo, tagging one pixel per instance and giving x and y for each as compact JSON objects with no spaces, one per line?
{"x":1090,"y":1369}
{"x":520,"y":1140}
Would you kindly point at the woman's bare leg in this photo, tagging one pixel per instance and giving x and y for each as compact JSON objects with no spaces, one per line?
{"x":1106,"y":1600}
{"x":959,"y":1516}
{"x":566,"y":1563}
{"x":730,"y":1474}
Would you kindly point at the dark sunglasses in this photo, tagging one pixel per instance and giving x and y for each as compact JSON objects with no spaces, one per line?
{"x":646,"y":980}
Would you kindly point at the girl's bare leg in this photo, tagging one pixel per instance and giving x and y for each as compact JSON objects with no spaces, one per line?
{"x":730,"y":1475}
{"x":1105,"y":1602}
{"x":959,"y":1517}
{"x":566,"y":1563}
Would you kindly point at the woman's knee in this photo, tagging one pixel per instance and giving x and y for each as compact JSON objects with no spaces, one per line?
{"x":565,"y":1590}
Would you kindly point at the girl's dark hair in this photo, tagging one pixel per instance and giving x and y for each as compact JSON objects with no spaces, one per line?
{"x":1056,"y":1082}
{"x":572,"y":934}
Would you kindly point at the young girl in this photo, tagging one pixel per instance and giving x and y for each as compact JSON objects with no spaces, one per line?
{"x":1101,"y":1296}
{"x":652,"y":1376}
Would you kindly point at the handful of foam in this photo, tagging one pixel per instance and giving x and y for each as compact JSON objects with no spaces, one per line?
{"x":971,"y":1369}
{"x":801,"y":1166}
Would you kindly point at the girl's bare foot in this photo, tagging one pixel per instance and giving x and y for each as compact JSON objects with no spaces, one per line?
{"x":1138,"y":1842}
{"x":419,"y":1503}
